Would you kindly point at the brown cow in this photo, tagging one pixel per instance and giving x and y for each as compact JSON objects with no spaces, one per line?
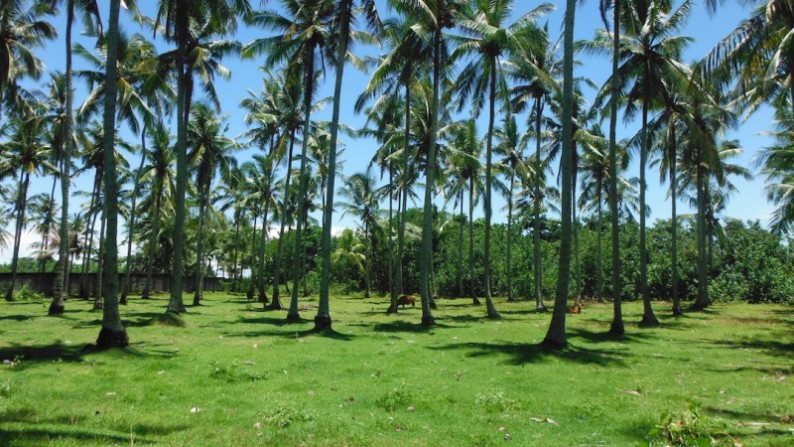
{"x":406,"y":299}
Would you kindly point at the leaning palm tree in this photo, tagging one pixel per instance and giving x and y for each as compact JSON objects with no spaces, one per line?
{"x":210,"y":154}
{"x":488,"y":38}
{"x":777,"y":163}
{"x":27,"y":153}
{"x":21,"y":31}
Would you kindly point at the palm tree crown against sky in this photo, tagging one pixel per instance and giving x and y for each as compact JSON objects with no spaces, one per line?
{"x":706,"y":30}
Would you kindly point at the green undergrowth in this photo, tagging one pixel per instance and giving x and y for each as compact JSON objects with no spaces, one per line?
{"x":237,"y":375}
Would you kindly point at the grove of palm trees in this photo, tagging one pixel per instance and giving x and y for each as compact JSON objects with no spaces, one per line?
{"x":469,"y":153}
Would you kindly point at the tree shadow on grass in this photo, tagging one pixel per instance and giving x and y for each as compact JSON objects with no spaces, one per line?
{"x":605,"y":336}
{"x":41,"y":434}
{"x":57,"y":351}
{"x":771,"y":347}
{"x":15,"y":318}
{"x":744,"y":415}
{"x":522,"y":353}
{"x":402,"y":326}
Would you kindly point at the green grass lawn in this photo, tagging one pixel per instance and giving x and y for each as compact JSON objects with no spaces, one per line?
{"x":237,"y":376}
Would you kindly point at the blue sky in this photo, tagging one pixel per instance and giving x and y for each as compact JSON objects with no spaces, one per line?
{"x":706,"y":29}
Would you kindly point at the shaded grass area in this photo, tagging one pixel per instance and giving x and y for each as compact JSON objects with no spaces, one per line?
{"x":238,"y":375}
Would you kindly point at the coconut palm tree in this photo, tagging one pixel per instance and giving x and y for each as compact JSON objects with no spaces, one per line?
{"x":535,"y":66}
{"x":651,"y":52}
{"x":487,"y":37}
{"x":21,"y":31}
{"x":190,"y":25}
{"x":777,"y":163}
{"x":28,"y":153}
{"x":210,"y":154}
{"x":361,"y":191}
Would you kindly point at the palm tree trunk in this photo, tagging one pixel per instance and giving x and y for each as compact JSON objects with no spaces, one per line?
{"x":98,"y":292}
{"x":112,"y":334}
{"x":677,"y":311}
{"x":577,"y":271}
{"x":472,"y":284}
{"x":323,"y":318}
{"x":426,"y":252}
{"x":251,"y":284}
{"x":403,"y":202}
{"x":147,"y":288}
{"x":510,"y":238}
{"x":702,"y":300}
{"x":276,"y":303}
{"x":539,"y":306}
{"x":89,"y":236}
{"x":490,"y":308}
{"x":648,"y":317}
{"x":617,"y":327}
{"x":24,"y":178}
{"x":292,"y":315}
{"x":198,"y":294}
{"x":133,"y":214}
{"x":368,"y":262}
{"x":260,"y":282}
{"x":61,"y":292}
{"x":600,"y":272}
{"x":460,"y":243}
{"x":392,"y":287}
{"x":555,"y":337}
{"x":235,"y":273}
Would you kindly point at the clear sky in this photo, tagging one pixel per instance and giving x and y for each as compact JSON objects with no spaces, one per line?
{"x":707,"y":29}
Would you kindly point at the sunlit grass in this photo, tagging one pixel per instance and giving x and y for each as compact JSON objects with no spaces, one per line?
{"x":238,"y":376}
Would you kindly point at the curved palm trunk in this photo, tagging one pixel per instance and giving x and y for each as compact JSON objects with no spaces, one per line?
{"x":490,"y":308}
{"x":472,"y":284}
{"x":648,"y":317}
{"x":292,"y":315}
{"x":147,"y":288}
{"x":616,"y":328}
{"x":133,"y":215}
{"x":276,"y":303}
{"x":112,"y":334}
{"x":555,"y":337}
{"x":323,"y":318}
{"x":198,"y":294}
{"x":539,"y":306}
{"x":24,"y":181}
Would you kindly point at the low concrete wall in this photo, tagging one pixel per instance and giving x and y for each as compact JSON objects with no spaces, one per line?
{"x":44,"y":282}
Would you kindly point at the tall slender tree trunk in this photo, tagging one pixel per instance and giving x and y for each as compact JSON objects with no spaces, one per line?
{"x":147,"y":288}
{"x":648,"y":317}
{"x":472,"y":283}
{"x":403,"y":205}
{"x":677,"y":311}
{"x":600,"y":271}
{"x":460,"y":243}
{"x":490,"y":308}
{"x":61,"y":292}
{"x":276,"y":303}
{"x":99,"y":302}
{"x":260,"y":281}
{"x":556,"y":337}
{"x":510,"y":238}
{"x":368,"y":262}
{"x":126,"y":286}
{"x":323,"y":318}
{"x":24,"y":181}
{"x":292,"y":314}
{"x":616,"y":328}
{"x":426,"y":252}
{"x":235,"y":273}
{"x":577,"y":277}
{"x":392,"y":287}
{"x":251,"y":284}
{"x":198,"y":294}
{"x":112,"y":334}
{"x":539,"y":306}
{"x":702,"y":300}
{"x":89,"y":236}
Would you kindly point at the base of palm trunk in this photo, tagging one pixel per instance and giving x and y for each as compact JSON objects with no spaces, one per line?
{"x":540,"y":308}
{"x":649,"y":321}
{"x":553,"y":345}
{"x":169,"y":318}
{"x":322,"y":323}
{"x":428,"y":321}
{"x":677,"y":310}
{"x":9,"y":295}
{"x":493,"y":314}
{"x":177,"y":310}
{"x":275,"y":304}
{"x":293,"y":318}
{"x":99,"y":305}
{"x":262,"y":298}
{"x":616,"y":329}
{"x":56,"y":309}
{"x":392,"y":309}
{"x":123,"y":299}
{"x":699,"y":305}
{"x":249,"y":294}
{"x":476,"y":302}
{"x":112,"y":339}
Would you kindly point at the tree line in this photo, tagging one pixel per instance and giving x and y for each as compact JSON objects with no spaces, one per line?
{"x":439,"y":58}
